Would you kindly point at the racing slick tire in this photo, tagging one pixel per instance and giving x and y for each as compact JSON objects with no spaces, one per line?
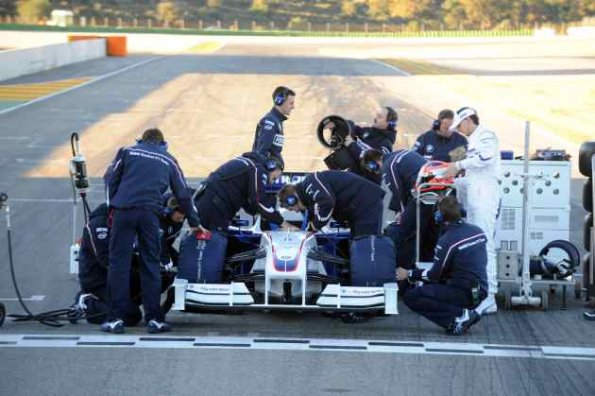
{"x":586,"y":151}
{"x":588,"y":195}
{"x":588,"y":223}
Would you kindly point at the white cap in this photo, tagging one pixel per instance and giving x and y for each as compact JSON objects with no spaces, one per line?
{"x":460,"y":115}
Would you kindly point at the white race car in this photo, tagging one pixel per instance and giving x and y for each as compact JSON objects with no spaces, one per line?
{"x":283,"y":270}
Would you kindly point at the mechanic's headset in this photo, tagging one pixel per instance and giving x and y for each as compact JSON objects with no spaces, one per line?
{"x":171,"y":206}
{"x":280,"y":98}
{"x":272,"y":164}
{"x":290,"y":200}
{"x":371,"y":165}
{"x":439,"y":216}
{"x":391,"y":118}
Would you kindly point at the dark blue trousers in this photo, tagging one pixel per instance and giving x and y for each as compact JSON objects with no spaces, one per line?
{"x":128,"y":224}
{"x":438,"y":303}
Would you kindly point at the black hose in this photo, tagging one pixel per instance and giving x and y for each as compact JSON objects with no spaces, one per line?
{"x":49,"y":318}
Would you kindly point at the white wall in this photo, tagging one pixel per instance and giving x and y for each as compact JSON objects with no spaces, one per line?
{"x":19,"y":62}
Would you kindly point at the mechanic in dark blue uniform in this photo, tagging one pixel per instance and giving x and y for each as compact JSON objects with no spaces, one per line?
{"x":458,"y":276}
{"x":139,"y":177}
{"x":239,"y":183}
{"x":269,"y":137}
{"x":400,"y":170}
{"x":380,"y":136}
{"x":439,"y":143}
{"x":91,"y":301}
{"x":344,"y":196}
{"x":171,"y":222}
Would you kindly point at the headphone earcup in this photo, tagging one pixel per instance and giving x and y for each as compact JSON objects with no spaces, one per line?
{"x":271,"y":165}
{"x":372,"y":166}
{"x":279,"y":99}
{"x":291,"y":200}
{"x":438,"y":216}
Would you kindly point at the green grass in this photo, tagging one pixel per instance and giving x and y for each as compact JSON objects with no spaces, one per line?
{"x":294,"y":33}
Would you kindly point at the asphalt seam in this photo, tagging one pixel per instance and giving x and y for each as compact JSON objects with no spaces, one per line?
{"x":300,"y":344}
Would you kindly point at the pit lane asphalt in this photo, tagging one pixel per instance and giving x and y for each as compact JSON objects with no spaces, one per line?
{"x":33,"y":140}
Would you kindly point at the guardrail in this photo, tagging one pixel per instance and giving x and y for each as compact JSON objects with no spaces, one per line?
{"x":328,"y":30}
{"x":20,"y":62}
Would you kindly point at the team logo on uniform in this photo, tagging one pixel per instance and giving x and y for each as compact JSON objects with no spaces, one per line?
{"x":279,"y":140}
{"x":268,"y":125}
{"x":430,"y":148}
{"x":366,"y":134}
{"x":101,"y":233}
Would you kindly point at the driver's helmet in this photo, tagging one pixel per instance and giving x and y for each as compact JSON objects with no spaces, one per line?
{"x":433,"y":173}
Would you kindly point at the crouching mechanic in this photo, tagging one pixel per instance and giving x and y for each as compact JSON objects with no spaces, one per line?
{"x":139,"y":177}
{"x":457,"y":282}
{"x":479,"y":190}
{"x":171,"y":222}
{"x":342,"y":195}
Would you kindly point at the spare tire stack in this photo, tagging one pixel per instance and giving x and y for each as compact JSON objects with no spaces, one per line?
{"x":586,"y":165}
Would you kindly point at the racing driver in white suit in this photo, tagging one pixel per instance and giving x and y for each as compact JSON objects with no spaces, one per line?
{"x":478,"y":189}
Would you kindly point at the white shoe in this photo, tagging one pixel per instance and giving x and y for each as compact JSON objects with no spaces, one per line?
{"x":487,"y":306}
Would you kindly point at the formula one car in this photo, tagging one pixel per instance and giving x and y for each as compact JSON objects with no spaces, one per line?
{"x":294,"y":271}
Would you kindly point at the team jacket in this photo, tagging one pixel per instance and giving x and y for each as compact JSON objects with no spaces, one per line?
{"x":141,"y":174}
{"x":341,"y":195}
{"x":240,"y":183}
{"x":94,"y":251}
{"x":371,"y":138}
{"x":400,"y":170}
{"x":483,"y":156}
{"x":269,"y":138}
{"x":460,"y":258}
{"x":432,"y":146}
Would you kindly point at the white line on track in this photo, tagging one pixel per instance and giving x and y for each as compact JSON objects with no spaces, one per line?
{"x":97,"y":79}
{"x":47,"y":200}
{"x":402,"y":72}
{"x":299,"y":344}
{"x":32,"y":298}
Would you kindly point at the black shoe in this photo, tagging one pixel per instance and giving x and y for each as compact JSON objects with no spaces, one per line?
{"x":154,"y":327}
{"x":464,"y":322}
{"x":589,"y":315}
{"x":115,"y":326}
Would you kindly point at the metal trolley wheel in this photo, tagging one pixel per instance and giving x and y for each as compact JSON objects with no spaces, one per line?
{"x":2,"y":314}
